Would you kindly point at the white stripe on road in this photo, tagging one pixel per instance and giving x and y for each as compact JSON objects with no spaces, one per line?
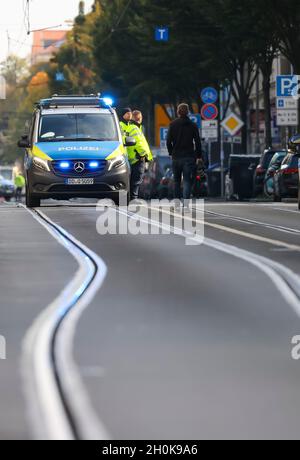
{"x":277,"y":243}
{"x":279,"y":228}
{"x":285,"y":280}
{"x":271,"y":241}
{"x":47,"y":408}
{"x":292,"y":211}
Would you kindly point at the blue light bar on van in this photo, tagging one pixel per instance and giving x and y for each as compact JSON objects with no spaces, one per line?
{"x":64,"y":165}
{"x":76,"y":101}
{"x":108,"y":101}
{"x":94,"y":164}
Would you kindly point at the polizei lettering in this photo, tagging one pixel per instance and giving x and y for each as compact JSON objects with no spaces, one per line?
{"x":81,"y":149}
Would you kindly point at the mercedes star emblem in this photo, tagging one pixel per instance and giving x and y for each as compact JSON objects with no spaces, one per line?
{"x":79,"y":167}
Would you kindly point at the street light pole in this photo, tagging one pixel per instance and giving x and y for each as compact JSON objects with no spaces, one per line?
{"x":257,"y":142}
{"x":222,"y":153}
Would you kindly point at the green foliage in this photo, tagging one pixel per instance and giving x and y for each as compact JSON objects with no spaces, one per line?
{"x":12,"y":119}
{"x":76,"y":58}
{"x":112,"y":49}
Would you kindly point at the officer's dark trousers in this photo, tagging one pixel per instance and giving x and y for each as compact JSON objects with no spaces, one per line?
{"x":137,"y":175}
{"x":185,"y":168}
{"x":19,"y":194}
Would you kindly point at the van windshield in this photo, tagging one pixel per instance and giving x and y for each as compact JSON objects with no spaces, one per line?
{"x":78,"y":127}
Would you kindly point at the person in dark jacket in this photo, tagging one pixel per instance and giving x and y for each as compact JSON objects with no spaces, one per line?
{"x":184,"y":146}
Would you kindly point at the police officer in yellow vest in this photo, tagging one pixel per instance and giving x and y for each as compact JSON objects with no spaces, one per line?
{"x":137,"y":155}
{"x":19,"y":185}
{"x":125,"y":120}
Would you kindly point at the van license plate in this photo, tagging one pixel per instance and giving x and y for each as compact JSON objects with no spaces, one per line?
{"x":80,"y":181}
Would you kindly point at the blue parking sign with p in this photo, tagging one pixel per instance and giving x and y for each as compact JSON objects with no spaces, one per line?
{"x":287,"y":85}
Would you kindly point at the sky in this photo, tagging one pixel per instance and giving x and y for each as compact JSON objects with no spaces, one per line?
{"x":43,"y":14}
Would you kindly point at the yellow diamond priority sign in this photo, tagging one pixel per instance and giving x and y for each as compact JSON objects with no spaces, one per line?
{"x":232,"y":124}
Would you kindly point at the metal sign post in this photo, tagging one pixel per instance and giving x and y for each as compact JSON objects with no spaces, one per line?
{"x":222,"y":153}
{"x":209,"y":154}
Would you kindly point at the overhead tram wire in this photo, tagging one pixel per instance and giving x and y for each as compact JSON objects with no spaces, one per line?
{"x":118,"y":22}
{"x":27,"y":17}
{"x":23,"y":28}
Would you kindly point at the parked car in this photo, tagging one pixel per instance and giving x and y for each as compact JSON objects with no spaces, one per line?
{"x":239,"y":180}
{"x":260,"y":172}
{"x":145,"y":188}
{"x":153,"y":176}
{"x":275,"y":165}
{"x":286,"y":179}
{"x":199,"y":188}
{"x":294,"y":147}
{"x":7,"y":188}
{"x":164,"y":188}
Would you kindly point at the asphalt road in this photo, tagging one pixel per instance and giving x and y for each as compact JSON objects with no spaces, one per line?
{"x":180,"y":342}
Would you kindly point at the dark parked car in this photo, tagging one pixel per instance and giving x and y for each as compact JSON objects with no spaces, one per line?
{"x":153,"y":176}
{"x":275,"y":165}
{"x":199,"y":189}
{"x":260,"y":172}
{"x":294,"y":148}
{"x":286,"y":179}
{"x":7,"y":188}
{"x":164,"y":186}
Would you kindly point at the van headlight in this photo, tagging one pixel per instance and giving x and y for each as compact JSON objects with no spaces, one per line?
{"x":117,"y":162}
{"x":41,"y":164}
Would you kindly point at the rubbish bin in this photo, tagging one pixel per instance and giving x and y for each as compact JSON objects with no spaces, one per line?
{"x":214,"y":182}
{"x":241,"y":172}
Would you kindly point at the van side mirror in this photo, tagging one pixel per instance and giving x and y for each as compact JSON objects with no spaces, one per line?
{"x":129,"y":142}
{"x":24,"y":142}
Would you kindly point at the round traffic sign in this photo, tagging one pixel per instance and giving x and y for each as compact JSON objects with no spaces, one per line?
{"x":209,"y":112}
{"x":209,"y":95}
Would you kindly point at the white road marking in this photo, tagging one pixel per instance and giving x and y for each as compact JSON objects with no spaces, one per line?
{"x":285,"y":280}
{"x":272,"y":242}
{"x":278,"y":243}
{"x":47,"y":410}
{"x":279,"y":228}
{"x":292,"y":211}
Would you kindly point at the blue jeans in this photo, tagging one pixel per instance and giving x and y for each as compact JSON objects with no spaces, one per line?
{"x":185,"y":167}
{"x":137,"y":175}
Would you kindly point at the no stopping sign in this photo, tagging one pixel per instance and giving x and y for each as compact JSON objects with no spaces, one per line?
{"x":209,"y":112}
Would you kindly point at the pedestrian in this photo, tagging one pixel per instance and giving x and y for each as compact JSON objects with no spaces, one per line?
{"x":19,"y":185}
{"x":184,"y":146}
{"x":138,"y":155}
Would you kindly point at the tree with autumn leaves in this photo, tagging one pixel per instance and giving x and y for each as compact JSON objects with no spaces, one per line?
{"x":219,"y":42}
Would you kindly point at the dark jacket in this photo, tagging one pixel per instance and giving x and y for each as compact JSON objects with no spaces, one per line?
{"x":184,"y":139}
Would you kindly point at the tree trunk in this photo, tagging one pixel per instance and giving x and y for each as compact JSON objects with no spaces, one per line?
{"x":267,"y":103}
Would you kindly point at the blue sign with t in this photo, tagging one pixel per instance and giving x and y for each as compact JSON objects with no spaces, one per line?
{"x":162,"y":34}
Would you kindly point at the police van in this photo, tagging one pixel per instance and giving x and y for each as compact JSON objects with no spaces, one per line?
{"x":75,"y":149}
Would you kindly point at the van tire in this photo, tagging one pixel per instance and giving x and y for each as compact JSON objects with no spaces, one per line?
{"x":31,"y":201}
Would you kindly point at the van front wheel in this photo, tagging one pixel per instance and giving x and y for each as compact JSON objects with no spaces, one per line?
{"x":31,"y":201}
